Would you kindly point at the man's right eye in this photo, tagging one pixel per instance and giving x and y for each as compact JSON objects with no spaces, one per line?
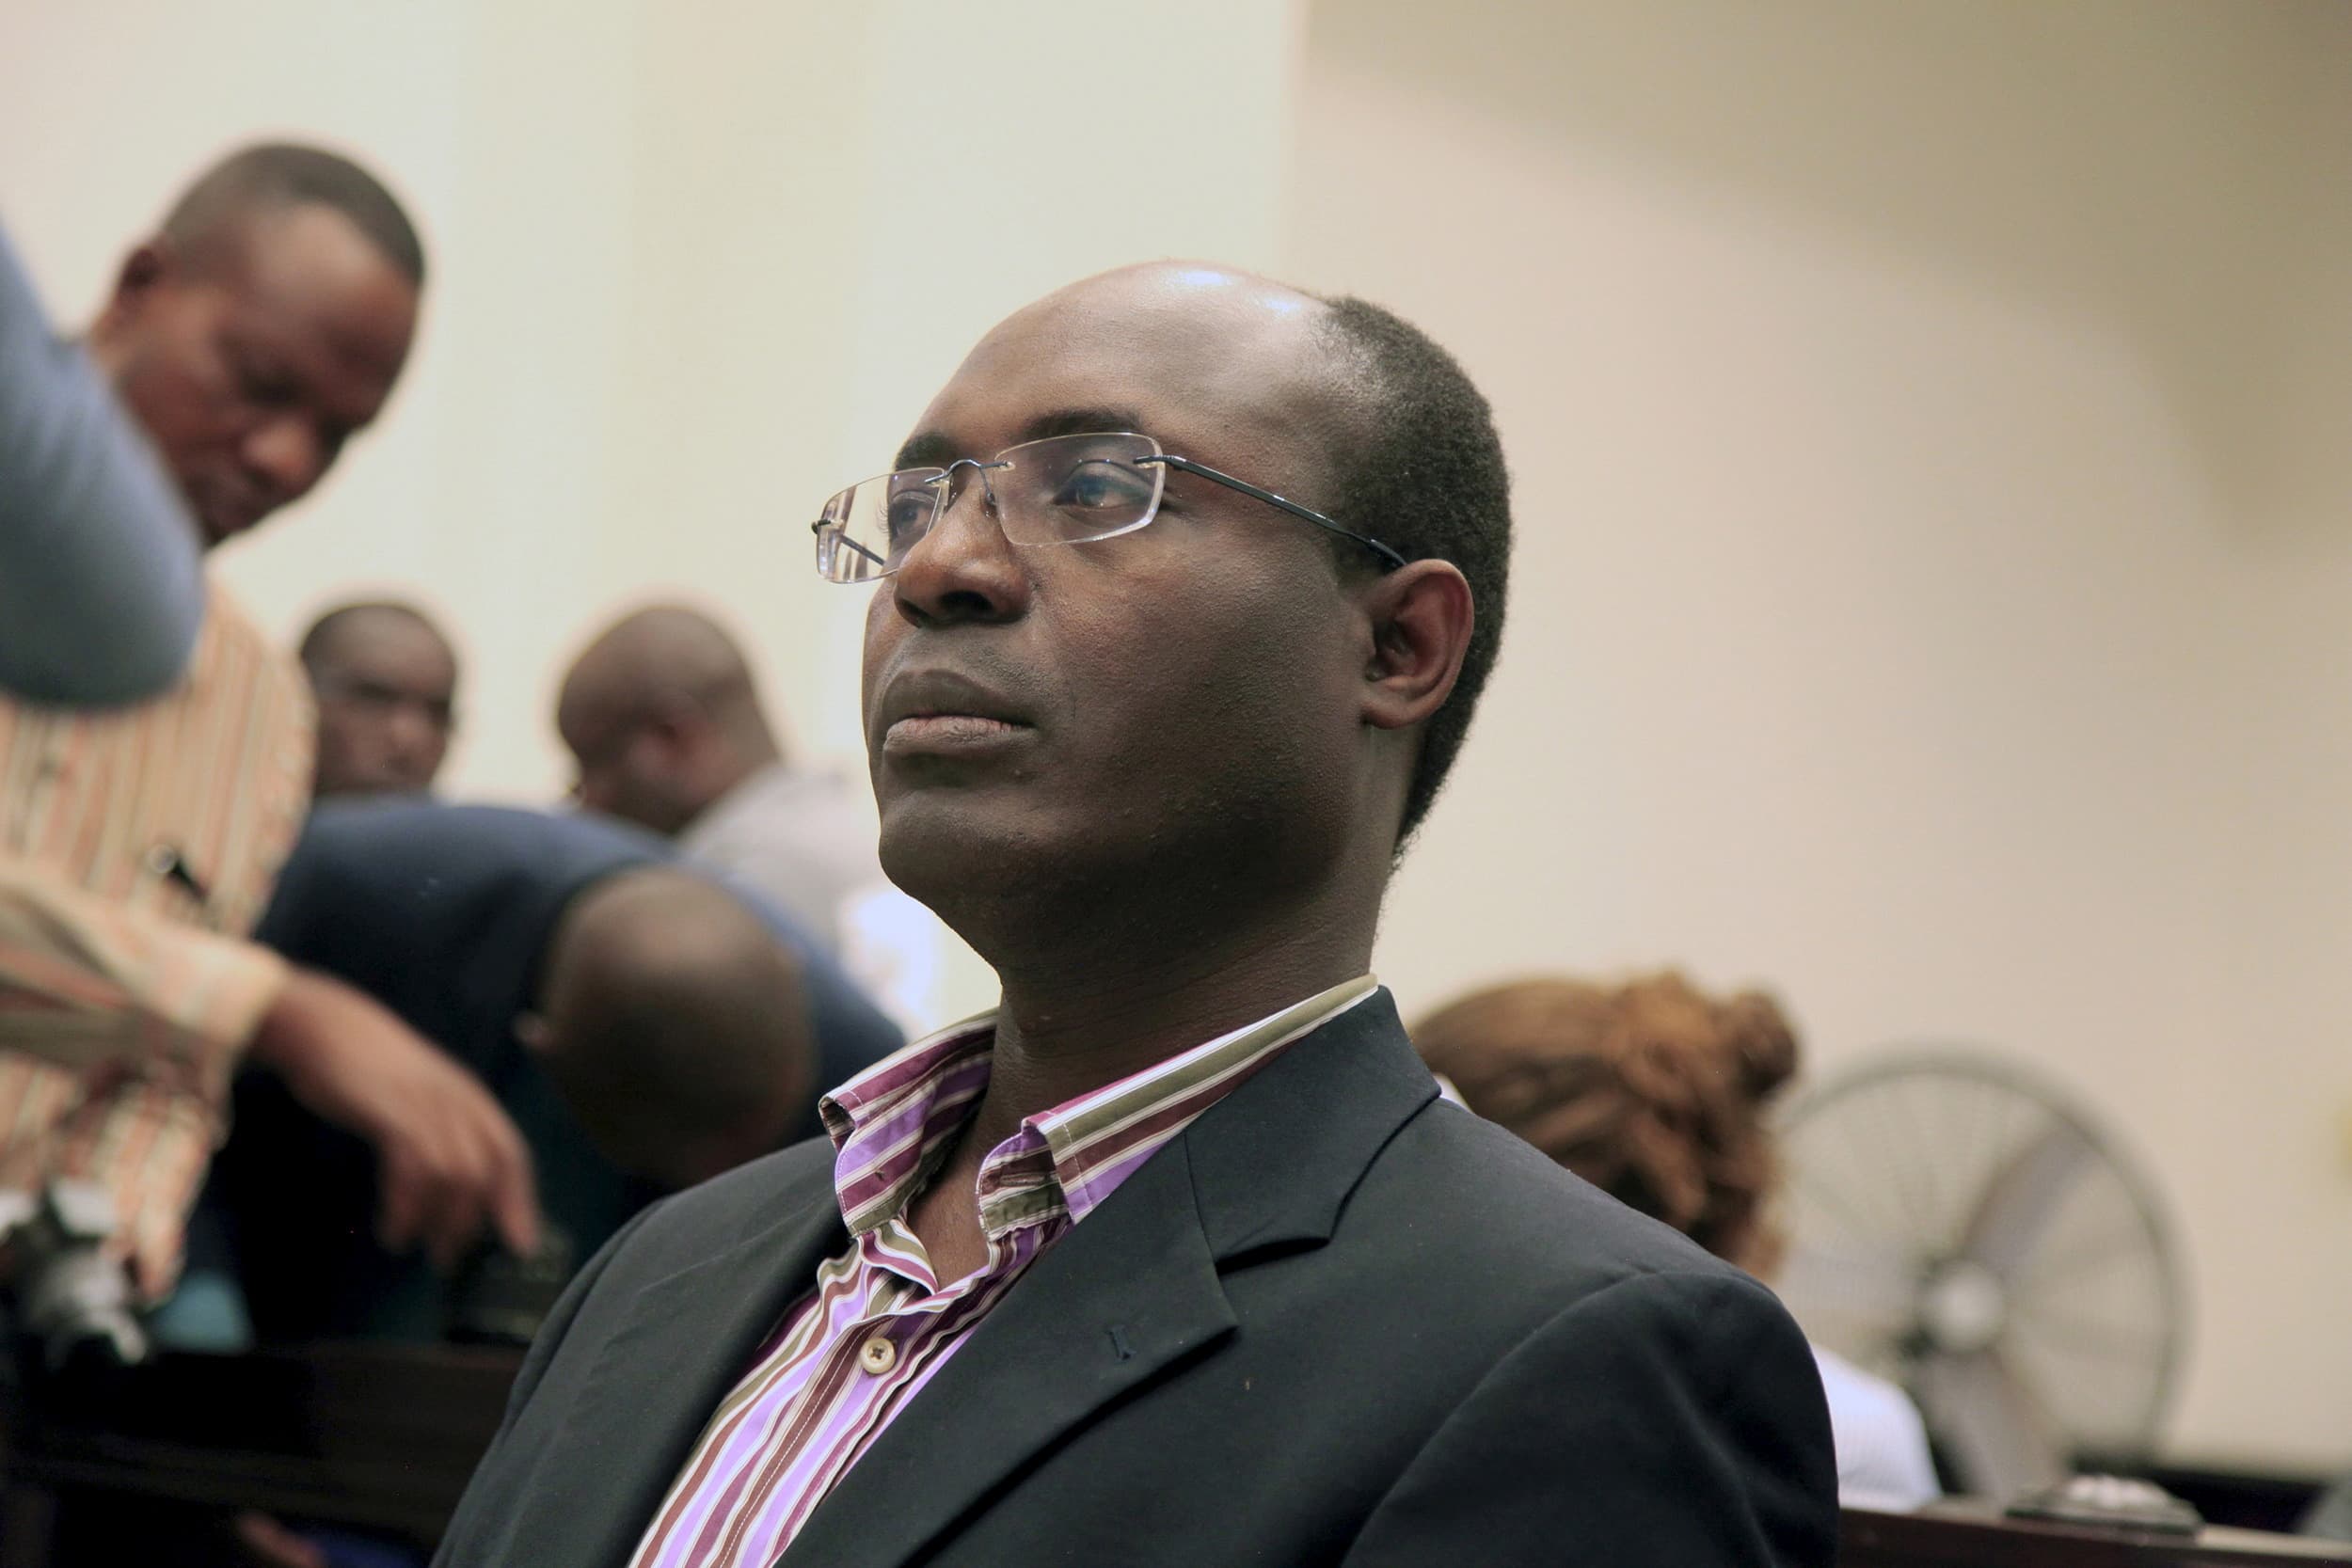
{"x":260,"y":381}
{"x":910,"y":513}
{"x":1102,"y":484}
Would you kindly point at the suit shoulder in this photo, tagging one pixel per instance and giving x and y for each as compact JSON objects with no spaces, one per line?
{"x":1508,"y":1210}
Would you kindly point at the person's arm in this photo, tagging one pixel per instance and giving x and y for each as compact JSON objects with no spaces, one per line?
{"x":100,"y":587}
{"x":1666,"y":1421}
{"x":87,"y":983}
{"x":450,"y":1162}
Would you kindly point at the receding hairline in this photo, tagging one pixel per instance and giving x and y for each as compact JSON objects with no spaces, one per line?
{"x":1339,"y":385}
{"x":1204,"y":290}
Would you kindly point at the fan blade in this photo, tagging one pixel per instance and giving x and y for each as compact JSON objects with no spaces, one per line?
{"x":1997,"y":1434}
{"x":2021,"y":1199}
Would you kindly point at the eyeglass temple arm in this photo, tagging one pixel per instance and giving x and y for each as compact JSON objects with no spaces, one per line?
{"x":1395,"y":560}
{"x":840,"y":538}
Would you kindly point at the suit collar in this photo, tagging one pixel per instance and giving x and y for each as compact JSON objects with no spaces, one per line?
{"x":683,"y":1345}
{"x":1274,"y":1163}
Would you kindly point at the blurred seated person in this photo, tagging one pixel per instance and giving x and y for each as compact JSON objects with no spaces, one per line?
{"x":385,"y":683}
{"x":102,"y":585}
{"x":644,"y":1025}
{"x":1655,"y":1093}
{"x":665,"y":725}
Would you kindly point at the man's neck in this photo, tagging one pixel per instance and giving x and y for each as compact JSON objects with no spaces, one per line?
{"x":1067,"y":1029}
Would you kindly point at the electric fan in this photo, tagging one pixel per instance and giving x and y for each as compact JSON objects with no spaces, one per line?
{"x":1958,"y":1226}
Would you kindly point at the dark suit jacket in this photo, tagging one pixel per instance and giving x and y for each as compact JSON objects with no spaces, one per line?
{"x":1336,"y":1321}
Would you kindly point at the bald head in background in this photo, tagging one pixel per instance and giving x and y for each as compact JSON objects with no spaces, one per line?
{"x":662,"y":718}
{"x":675,"y":1025}
{"x":386,"y":681}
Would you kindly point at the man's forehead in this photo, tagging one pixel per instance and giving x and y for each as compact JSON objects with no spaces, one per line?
{"x":1191,"y":352}
{"x":388,"y":635}
{"x":306,"y":271}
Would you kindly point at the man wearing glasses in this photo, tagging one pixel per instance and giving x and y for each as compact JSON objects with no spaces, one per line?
{"x":1182,"y":592}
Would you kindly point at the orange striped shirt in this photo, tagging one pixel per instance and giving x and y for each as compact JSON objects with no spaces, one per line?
{"x":137,"y":846}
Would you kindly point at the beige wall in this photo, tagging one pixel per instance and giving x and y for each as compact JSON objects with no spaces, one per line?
{"x":1930,"y":424}
{"x":1928,"y":421}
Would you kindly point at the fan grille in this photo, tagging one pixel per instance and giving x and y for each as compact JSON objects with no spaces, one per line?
{"x":1955,"y":1224}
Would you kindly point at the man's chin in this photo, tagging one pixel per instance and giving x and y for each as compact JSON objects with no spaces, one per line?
{"x":942,"y":845}
{"x":220,"y":517}
{"x":218,"y":526}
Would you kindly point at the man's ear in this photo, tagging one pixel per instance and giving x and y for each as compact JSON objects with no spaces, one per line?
{"x":1421,"y":616}
{"x":142,"y":274}
{"x":679,"y":726}
{"x":138,"y":283}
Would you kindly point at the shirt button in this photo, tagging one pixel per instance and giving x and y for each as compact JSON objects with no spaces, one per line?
{"x":878,"y":1355}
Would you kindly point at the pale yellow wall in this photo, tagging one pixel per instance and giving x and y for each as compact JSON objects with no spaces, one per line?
{"x":1933,"y":433}
{"x":1929,"y":419}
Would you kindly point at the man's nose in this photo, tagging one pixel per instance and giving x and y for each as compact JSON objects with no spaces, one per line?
{"x":413,"y":730}
{"x":286,"y":454}
{"x":963,"y":569}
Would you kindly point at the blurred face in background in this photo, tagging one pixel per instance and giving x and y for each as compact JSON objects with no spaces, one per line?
{"x":637,"y":767}
{"x":386,"y":690}
{"x":252,"y":362}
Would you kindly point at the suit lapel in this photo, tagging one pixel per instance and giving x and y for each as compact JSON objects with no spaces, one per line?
{"x":658,"y":1377}
{"x":1131,"y":1292}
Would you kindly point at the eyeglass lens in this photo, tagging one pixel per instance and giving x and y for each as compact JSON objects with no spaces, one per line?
{"x":1060,"y":490}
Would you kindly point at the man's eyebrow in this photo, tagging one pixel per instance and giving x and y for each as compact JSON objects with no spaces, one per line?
{"x":933,"y":448}
{"x":1081,"y":422}
{"x":929,"y":449}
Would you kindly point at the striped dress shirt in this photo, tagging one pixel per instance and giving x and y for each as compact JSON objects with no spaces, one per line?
{"x":846,"y":1358}
{"x":137,"y":846}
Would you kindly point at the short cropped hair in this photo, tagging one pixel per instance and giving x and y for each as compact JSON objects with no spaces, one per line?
{"x":276,"y":175}
{"x":1425,"y":476}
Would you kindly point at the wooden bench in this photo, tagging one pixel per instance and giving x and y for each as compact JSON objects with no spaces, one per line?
{"x":383,"y":1438}
{"x":1964,"y":1534}
{"x":377,"y":1437}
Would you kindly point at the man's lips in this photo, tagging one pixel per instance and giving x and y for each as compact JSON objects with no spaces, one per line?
{"x":941,"y":712}
{"x":939,"y":733}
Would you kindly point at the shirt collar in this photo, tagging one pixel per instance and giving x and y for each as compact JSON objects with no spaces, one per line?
{"x":891,"y":1123}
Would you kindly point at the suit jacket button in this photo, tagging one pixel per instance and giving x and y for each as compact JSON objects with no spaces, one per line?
{"x":878,"y":1355}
